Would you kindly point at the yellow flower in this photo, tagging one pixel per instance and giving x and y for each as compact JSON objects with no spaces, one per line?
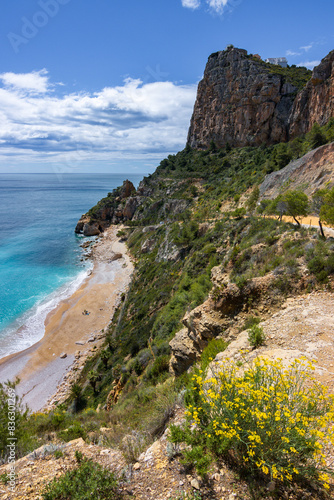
{"x":265,"y":469}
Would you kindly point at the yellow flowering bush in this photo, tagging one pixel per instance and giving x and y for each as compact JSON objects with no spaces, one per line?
{"x":270,"y":420}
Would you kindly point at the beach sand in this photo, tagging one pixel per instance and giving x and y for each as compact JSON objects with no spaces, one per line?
{"x":40,"y":367}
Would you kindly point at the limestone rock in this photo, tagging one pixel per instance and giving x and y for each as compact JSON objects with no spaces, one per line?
{"x":117,"y":207}
{"x":115,"y":256}
{"x":240,"y":102}
{"x":127,"y":189}
{"x":315,"y":170}
{"x":204,"y":321}
{"x":195,"y":484}
{"x":131,"y":206}
{"x":211,"y":319}
{"x":80,"y":225}
{"x":315,"y":102}
{"x":174,"y":207}
{"x":168,"y":250}
{"x":148,"y":245}
{"x":91,"y":229}
{"x":185,"y":351}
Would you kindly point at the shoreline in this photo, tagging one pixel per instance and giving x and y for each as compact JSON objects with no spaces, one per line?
{"x":30,"y":326}
{"x":70,"y":335}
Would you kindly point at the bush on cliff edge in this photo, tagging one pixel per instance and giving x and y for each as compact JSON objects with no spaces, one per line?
{"x":271,"y":422}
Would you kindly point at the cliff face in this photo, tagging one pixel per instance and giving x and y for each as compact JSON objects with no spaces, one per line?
{"x":315,"y":102}
{"x":245,"y":102}
{"x":240,"y":102}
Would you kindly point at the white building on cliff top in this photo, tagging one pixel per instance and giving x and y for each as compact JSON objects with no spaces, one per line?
{"x":280,"y":61}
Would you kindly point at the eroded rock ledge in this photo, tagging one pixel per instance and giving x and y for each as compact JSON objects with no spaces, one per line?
{"x":216,"y":317}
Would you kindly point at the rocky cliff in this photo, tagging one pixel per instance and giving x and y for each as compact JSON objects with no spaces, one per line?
{"x":151,"y":202}
{"x":117,"y":207}
{"x":315,"y":102}
{"x":245,"y":102}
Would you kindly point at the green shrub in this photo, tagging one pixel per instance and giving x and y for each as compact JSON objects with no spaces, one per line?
{"x":209,"y":353}
{"x":272,"y":422}
{"x":86,"y":480}
{"x":160,"y":365}
{"x":74,"y":431}
{"x":241,"y":281}
{"x":316,"y":265}
{"x":283,"y":283}
{"x":238,"y":213}
{"x":235,"y":252}
{"x":256,"y":336}
{"x":57,"y":419}
{"x":78,"y":456}
{"x":322,"y":276}
{"x":330,"y":264}
{"x":251,"y":321}
{"x":4,"y":478}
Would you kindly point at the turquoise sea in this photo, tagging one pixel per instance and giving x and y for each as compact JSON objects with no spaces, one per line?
{"x":40,"y":255}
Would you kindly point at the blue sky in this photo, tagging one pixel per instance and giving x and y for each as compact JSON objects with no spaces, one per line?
{"x":109,"y":85}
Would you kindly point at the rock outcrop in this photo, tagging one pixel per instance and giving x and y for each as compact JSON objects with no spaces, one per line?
{"x":296,"y":329}
{"x":151,"y":201}
{"x":313,"y":171}
{"x":242,"y":101}
{"x":118,"y":207}
{"x":213,"y":318}
{"x":315,"y":102}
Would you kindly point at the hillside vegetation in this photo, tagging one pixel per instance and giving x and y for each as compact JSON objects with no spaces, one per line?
{"x":178,"y":235}
{"x":194,"y":184}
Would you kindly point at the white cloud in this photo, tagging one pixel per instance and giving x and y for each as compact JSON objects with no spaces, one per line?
{"x":36,"y":82}
{"x":133,"y":119}
{"x":307,"y":47}
{"x":191,"y":4}
{"x":292,"y":53}
{"x":309,"y":64}
{"x":217,"y":5}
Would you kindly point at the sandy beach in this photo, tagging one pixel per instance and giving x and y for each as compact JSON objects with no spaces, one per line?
{"x":69,"y":333}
